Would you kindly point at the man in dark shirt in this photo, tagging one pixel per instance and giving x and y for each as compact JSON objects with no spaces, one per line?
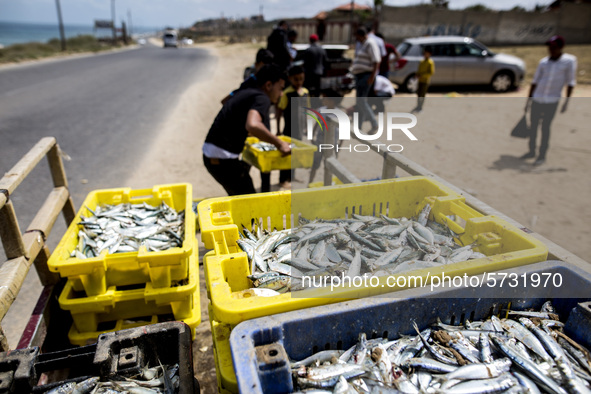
{"x":314,"y":61}
{"x":277,"y":44}
{"x":247,"y":112}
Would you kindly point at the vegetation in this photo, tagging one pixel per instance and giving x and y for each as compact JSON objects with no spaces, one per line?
{"x":37,"y":50}
{"x":478,"y":7}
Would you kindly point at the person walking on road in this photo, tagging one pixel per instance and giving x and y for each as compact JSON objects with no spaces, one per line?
{"x":365,"y":68}
{"x":424,"y":74}
{"x":247,"y":112}
{"x":314,"y":62}
{"x":553,"y":73}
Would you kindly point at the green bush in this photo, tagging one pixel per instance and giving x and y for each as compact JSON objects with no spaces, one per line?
{"x":36,"y":50}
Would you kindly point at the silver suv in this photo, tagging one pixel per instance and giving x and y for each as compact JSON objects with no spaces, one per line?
{"x":458,"y":61}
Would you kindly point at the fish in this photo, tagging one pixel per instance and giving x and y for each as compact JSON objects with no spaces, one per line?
{"x":360,"y":246}
{"x":418,"y":364}
{"x":126,"y":227}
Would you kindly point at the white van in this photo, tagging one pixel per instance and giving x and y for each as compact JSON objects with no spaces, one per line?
{"x":170,"y":39}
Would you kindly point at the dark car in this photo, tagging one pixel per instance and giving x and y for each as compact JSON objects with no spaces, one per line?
{"x":336,"y":71}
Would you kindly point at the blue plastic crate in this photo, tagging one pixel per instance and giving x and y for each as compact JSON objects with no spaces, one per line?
{"x":261,"y":347}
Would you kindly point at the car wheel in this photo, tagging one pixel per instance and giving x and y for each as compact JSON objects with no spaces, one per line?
{"x":411,"y":84}
{"x":502,"y":81}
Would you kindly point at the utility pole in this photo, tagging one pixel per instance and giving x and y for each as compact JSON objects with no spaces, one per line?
{"x":113,"y":19}
{"x":130,"y":24}
{"x":61,"y":24}
{"x":351,"y":22}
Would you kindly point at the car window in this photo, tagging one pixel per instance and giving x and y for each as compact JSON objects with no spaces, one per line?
{"x":468,"y":50}
{"x":403,"y":48}
{"x":439,"y":50}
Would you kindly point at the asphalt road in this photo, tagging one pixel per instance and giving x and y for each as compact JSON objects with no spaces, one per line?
{"x":104,"y":109}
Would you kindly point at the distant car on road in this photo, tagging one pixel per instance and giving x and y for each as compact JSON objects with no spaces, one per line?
{"x":458,"y":61}
{"x":170,"y":39}
{"x":186,"y":41}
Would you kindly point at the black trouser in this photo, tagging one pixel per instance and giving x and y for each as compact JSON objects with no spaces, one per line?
{"x":544,"y":113}
{"x":312,"y":83}
{"x":421,"y":93}
{"x":232,"y":174}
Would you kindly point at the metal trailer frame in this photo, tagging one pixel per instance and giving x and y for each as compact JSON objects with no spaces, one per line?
{"x":392,"y":162}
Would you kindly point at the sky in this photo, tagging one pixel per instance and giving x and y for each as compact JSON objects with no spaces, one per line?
{"x":183,"y":13}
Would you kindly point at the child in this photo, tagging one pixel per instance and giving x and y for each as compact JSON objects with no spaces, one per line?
{"x":424,"y":73}
{"x":284,"y":107}
{"x":330,"y":100}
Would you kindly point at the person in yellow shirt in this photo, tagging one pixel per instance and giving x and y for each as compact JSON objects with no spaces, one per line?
{"x":296,"y":89}
{"x":424,"y":74}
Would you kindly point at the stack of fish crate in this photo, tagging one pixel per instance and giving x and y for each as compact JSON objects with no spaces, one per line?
{"x":125,"y":264}
{"x":230,"y":291}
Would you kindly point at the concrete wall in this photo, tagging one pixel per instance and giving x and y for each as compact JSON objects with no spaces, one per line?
{"x":573,"y":21}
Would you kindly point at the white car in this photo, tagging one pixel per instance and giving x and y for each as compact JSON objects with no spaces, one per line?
{"x":170,"y":39}
{"x":458,"y":61}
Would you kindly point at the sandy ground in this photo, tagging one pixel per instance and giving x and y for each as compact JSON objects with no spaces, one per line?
{"x":462,"y":138}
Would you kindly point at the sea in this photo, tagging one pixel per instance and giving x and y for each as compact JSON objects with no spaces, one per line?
{"x":17,"y":32}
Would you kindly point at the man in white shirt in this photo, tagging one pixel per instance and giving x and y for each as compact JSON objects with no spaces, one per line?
{"x":365,"y":68}
{"x":553,"y":73}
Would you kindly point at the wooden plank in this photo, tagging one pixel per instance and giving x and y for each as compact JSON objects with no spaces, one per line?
{"x":49,"y":211}
{"x":3,"y":341}
{"x":335,"y":167}
{"x":12,"y":276}
{"x":16,"y":174}
{"x":10,"y":232}
{"x":46,"y":277}
{"x":69,"y":211}
{"x":56,"y":166}
{"x":34,"y":244}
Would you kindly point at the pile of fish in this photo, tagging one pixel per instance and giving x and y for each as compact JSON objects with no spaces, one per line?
{"x":266,"y":146}
{"x":359,"y":246}
{"x":125,"y":227}
{"x":527,"y":354}
{"x":149,"y":381}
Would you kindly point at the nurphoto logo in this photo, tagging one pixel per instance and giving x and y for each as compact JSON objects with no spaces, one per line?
{"x":391,"y":126}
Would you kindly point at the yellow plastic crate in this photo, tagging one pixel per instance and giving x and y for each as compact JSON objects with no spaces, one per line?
{"x":96,"y":274}
{"x":335,"y":181}
{"x":227,"y":266}
{"x":302,"y":155}
{"x":84,"y":338}
{"x":222,"y":354}
{"x":124,"y":304}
